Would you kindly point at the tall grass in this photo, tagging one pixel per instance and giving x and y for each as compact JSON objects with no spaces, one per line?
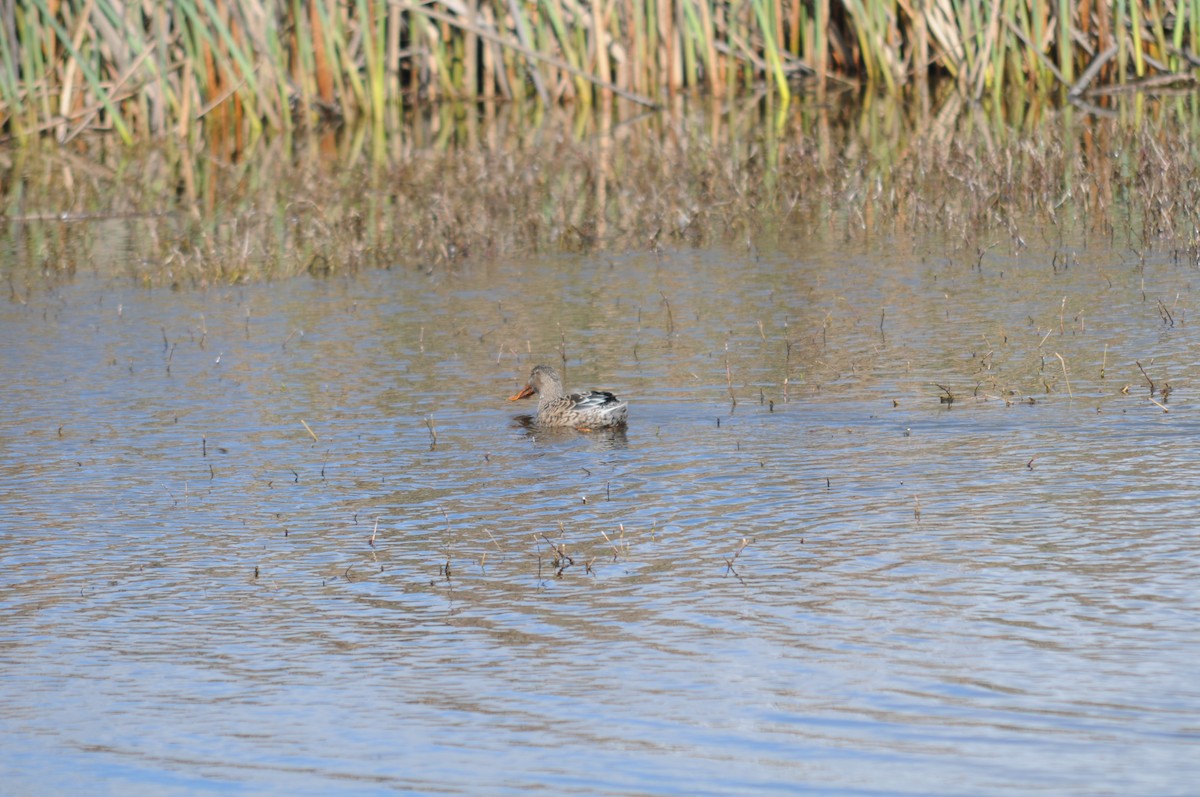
{"x":139,"y":67}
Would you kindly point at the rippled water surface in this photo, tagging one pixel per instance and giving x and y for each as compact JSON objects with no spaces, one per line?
{"x":289,"y":538}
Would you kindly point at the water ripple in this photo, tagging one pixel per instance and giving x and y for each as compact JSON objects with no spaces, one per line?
{"x":240,"y":558}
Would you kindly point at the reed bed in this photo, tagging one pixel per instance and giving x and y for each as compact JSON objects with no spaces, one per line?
{"x":150,"y":68}
{"x":457,"y":189}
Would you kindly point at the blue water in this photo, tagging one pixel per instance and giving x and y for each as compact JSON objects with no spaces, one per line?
{"x":235,"y":559}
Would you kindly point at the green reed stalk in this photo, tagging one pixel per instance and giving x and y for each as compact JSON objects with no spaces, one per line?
{"x":967,"y":13}
{"x":1194,"y":27}
{"x":1160,"y":36}
{"x":304,"y":39}
{"x":774,"y":62}
{"x":10,"y":91}
{"x":525,"y":37}
{"x":442,"y":55}
{"x":707,"y":33}
{"x":871,"y":23}
{"x":695,"y":36}
{"x":570,"y":50}
{"x":732,"y":64}
{"x":373,"y":43}
{"x":1139,"y":58}
{"x":542,"y":39}
{"x":1000,"y":48}
{"x":687,"y":42}
{"x":30,"y":66}
{"x":651,"y":45}
{"x":343,"y":63}
{"x":1066,"y":60}
{"x":588,"y":35}
{"x":470,"y":49}
{"x":1181,"y":13}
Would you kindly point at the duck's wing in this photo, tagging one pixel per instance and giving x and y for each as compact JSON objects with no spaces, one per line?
{"x":594,"y":400}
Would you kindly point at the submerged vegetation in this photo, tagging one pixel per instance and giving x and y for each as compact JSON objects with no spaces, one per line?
{"x":68,"y":66}
{"x":457,"y":186}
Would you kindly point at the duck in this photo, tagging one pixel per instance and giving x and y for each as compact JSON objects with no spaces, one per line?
{"x":595,"y":409}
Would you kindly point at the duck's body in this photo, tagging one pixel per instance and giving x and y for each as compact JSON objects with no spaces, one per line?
{"x":595,"y":409}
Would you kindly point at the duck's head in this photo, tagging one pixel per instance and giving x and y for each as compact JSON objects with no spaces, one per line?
{"x":543,"y":380}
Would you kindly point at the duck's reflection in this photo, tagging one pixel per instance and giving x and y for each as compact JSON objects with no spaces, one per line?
{"x":611,"y":438}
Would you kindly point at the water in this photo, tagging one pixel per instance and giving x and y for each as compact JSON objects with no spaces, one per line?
{"x":235,"y":559}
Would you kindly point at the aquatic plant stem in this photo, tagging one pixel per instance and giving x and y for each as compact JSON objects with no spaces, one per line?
{"x":1065,"y":377}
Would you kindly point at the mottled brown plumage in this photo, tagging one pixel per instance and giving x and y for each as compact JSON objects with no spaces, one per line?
{"x":595,"y":409}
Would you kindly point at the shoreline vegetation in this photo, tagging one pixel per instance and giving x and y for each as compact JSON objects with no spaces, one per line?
{"x":149,"y":69}
{"x":458,"y":186}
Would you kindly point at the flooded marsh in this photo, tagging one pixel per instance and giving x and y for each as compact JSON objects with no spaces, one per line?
{"x":276,"y":532}
{"x":457,"y":185}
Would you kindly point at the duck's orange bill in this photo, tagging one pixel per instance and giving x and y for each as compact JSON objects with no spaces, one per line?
{"x":526,"y":392}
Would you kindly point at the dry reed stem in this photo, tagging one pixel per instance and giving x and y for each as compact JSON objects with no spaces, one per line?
{"x":729,"y":381}
{"x":1149,"y":381}
{"x":1065,"y":377}
{"x":670,"y":318}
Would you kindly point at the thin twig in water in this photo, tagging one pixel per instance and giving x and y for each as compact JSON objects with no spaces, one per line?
{"x":562,"y":560}
{"x":1148,"y":379}
{"x":1165,"y":314}
{"x":493,"y":538}
{"x":730,"y":560}
{"x":729,"y":380}
{"x":1065,"y":377}
{"x":311,"y":433}
{"x":670,"y":318}
{"x":432,"y":433}
{"x":562,"y":353}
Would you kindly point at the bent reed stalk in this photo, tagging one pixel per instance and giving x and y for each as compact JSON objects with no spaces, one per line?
{"x":138,"y":68}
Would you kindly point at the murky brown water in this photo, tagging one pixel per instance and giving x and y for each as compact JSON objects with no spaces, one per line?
{"x":978,"y":598}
